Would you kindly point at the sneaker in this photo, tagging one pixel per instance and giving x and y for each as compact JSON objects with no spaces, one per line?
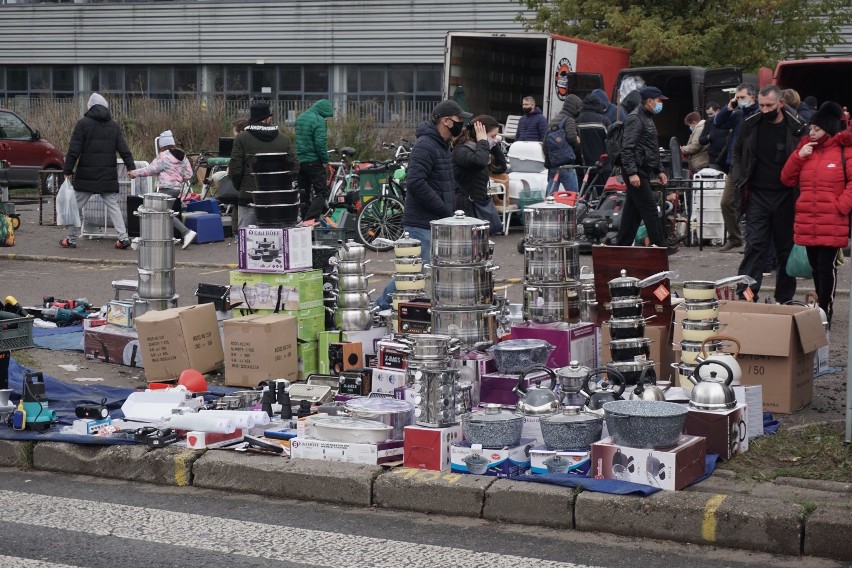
{"x":124,"y":244}
{"x":188,"y":238}
{"x":672,"y":250}
{"x":66,"y":244}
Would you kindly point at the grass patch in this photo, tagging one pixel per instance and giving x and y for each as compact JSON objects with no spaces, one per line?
{"x":818,"y":452}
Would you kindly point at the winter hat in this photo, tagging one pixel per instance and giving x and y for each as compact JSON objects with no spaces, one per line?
{"x":259,"y":112}
{"x":811,"y":101}
{"x":828,"y":117}
{"x":96,"y":99}
{"x":166,"y":139}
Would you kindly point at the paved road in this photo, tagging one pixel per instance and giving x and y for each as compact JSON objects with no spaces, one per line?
{"x":53,"y":521}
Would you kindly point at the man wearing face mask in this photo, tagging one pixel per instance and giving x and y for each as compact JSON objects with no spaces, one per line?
{"x":766,"y":139}
{"x":640,"y":162}
{"x":730,"y":118}
{"x":532,"y":126}
{"x":430,"y":185}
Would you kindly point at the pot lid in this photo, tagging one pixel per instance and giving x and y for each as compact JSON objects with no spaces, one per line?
{"x":493,"y":413}
{"x":515,"y":345}
{"x":572,"y":415}
{"x":549,"y":203}
{"x":379,"y":405}
{"x":459,"y":220}
{"x":622,"y":366}
{"x":624,"y":280}
{"x":586,"y":274}
{"x":349,"y":423}
{"x":406,"y":241}
{"x":574,"y":369}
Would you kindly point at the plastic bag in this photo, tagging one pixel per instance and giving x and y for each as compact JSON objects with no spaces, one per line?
{"x":798,"y":264}
{"x":7,"y":231}
{"x":66,"y":205}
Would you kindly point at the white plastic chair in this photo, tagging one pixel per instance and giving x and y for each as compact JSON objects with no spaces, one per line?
{"x":505,"y":210}
{"x":510,"y":129}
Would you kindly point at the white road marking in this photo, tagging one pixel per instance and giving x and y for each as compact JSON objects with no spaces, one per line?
{"x":244,"y":538}
{"x":30,"y":563}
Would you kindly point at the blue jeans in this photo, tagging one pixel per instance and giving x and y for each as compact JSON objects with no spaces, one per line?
{"x":425,"y":237}
{"x":566,"y":179}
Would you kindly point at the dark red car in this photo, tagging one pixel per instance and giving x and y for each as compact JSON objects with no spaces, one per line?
{"x":26,"y":152}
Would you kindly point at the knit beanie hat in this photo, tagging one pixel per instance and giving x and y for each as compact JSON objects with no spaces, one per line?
{"x":259,"y":111}
{"x":96,"y":99}
{"x":166,"y":139}
{"x":828,"y":117}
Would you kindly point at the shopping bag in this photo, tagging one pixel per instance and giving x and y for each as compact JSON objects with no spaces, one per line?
{"x":798,"y":264}
{"x":7,"y":231}
{"x":66,"y":205}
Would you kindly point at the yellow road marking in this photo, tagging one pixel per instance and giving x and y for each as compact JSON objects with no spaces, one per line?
{"x":181,"y":469}
{"x":708,"y":526}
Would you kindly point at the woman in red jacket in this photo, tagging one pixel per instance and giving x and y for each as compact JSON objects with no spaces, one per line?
{"x":825,"y":196}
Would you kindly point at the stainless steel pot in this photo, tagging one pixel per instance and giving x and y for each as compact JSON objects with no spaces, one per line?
{"x":155,"y":225}
{"x":354,"y":299}
{"x":462,"y":286}
{"x":552,"y":263}
{"x":549,"y":222}
{"x":353,"y":319}
{"x":627,"y":328}
{"x":351,"y":266}
{"x":156,"y":255}
{"x":549,"y":303}
{"x":351,"y":282}
{"x":157,"y":201}
{"x":517,"y":355}
{"x":410,"y":282}
{"x":493,"y":427}
{"x":408,"y":264}
{"x":460,"y":240}
{"x":627,"y":308}
{"x":398,"y":297}
{"x":156,"y":283}
{"x":471,"y":327}
{"x":395,"y":413}
{"x":644,"y":423}
{"x":632,"y":371}
{"x":143,"y":305}
{"x":351,"y":251}
{"x":698,"y":310}
{"x":405,"y":246}
{"x":690,"y":350}
{"x":699,"y":330}
{"x":430,"y":346}
{"x":572,"y":429}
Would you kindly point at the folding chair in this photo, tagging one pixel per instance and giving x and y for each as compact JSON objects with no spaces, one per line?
{"x":506,"y":209}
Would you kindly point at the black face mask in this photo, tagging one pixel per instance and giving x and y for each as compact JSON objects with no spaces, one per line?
{"x":771,"y":115}
{"x":526,"y":110}
{"x":456,"y":128}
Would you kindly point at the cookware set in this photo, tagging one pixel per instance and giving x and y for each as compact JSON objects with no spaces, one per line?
{"x":155,"y":245}
{"x":350,"y":304}
{"x":276,"y":200}
{"x":438,"y":393}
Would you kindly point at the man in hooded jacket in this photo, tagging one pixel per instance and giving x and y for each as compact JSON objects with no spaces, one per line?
{"x":91,"y":160}
{"x":260,"y":136}
{"x":312,"y":151}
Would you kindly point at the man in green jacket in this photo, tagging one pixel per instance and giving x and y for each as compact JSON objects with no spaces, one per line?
{"x":260,"y":136}
{"x":312,"y":152}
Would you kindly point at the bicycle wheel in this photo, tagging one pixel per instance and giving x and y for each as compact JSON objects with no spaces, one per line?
{"x":380,"y":218}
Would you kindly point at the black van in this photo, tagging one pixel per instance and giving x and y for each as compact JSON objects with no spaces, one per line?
{"x":688,"y":90}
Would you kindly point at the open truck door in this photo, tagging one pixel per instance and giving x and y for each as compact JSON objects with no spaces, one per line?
{"x":718,"y":85}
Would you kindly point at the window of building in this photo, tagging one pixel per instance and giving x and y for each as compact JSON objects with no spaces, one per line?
{"x":160,"y":79}
{"x":316,"y":79}
{"x":39,"y":78}
{"x":290,"y":78}
{"x":112,"y":78}
{"x":186,"y":78}
{"x":236,"y":79}
{"x":63,"y":79}
{"x":136,"y":79}
{"x":16,"y":79}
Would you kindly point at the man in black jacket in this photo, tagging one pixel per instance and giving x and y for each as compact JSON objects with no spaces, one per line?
{"x":260,"y":135}
{"x":91,"y":159}
{"x":766,"y":140}
{"x":592,"y":124}
{"x":640,"y":161}
{"x":429,"y":182}
{"x":714,"y":137}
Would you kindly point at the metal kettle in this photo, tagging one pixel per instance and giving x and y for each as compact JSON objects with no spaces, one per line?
{"x":607,"y":390}
{"x":729,"y":359}
{"x":712,"y":393}
{"x":647,"y":389}
{"x":537,"y":400}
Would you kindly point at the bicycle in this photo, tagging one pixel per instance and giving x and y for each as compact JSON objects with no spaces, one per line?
{"x":380,"y":219}
{"x":344,"y":180}
{"x":209,"y":163}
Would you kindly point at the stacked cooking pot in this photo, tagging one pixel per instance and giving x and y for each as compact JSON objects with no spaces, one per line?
{"x":353,"y":308}
{"x":700,"y":323}
{"x":430,"y":373}
{"x":551,"y":263}
{"x":324,"y":258}
{"x":276,"y":201}
{"x":629,"y":348}
{"x":156,"y":246}
{"x":462,"y":280}
{"x":408,"y":274}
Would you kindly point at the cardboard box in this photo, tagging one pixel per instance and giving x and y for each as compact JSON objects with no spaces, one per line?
{"x":307,"y":359}
{"x":538,"y":455}
{"x":120,"y":312}
{"x":429,"y":448}
{"x":495,"y":388}
{"x":507,"y":462}
{"x":726,"y":431}
{"x":821,"y":357}
{"x":309,"y":322}
{"x":777,"y":346}
{"x":671,"y":469}
{"x":372,"y":454}
{"x":180,"y":338}
{"x":752,"y":397}
{"x":113,"y":344}
{"x":297,"y":290}
{"x":274,"y":250}
{"x":661,"y":350}
{"x":260,"y":348}
{"x":196,"y":440}
{"x":579,"y":342}
{"x":387,"y":380}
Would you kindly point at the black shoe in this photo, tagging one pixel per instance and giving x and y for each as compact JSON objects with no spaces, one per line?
{"x":672,"y":250}
{"x":125,"y":244}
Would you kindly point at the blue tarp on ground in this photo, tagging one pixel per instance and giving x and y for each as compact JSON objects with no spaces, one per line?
{"x":69,"y":338}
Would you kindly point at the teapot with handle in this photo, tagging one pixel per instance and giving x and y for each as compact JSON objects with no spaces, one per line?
{"x":729,"y":359}
{"x":537,"y":399}
{"x":607,"y":390}
{"x":712,"y":393}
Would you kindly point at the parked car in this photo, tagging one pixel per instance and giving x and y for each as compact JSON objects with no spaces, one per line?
{"x":27,"y":153}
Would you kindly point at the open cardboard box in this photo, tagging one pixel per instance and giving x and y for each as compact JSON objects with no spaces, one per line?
{"x":777,"y":346}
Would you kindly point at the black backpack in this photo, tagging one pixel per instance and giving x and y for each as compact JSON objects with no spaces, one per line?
{"x":559,"y":150}
{"x":614,"y":139}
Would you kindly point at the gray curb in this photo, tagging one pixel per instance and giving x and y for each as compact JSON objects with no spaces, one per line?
{"x":16,"y":454}
{"x":828,"y":531}
{"x":426,"y":491}
{"x":528,"y":503}
{"x":308,"y":480}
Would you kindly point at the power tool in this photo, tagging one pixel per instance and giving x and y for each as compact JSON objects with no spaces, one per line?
{"x":11,"y":305}
{"x":63,"y":316}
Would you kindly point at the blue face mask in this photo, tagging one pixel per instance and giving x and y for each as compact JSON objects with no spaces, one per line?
{"x":744,"y":103}
{"x":658,"y":108}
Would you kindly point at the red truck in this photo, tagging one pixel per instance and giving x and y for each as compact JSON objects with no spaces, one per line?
{"x":823,"y":78}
